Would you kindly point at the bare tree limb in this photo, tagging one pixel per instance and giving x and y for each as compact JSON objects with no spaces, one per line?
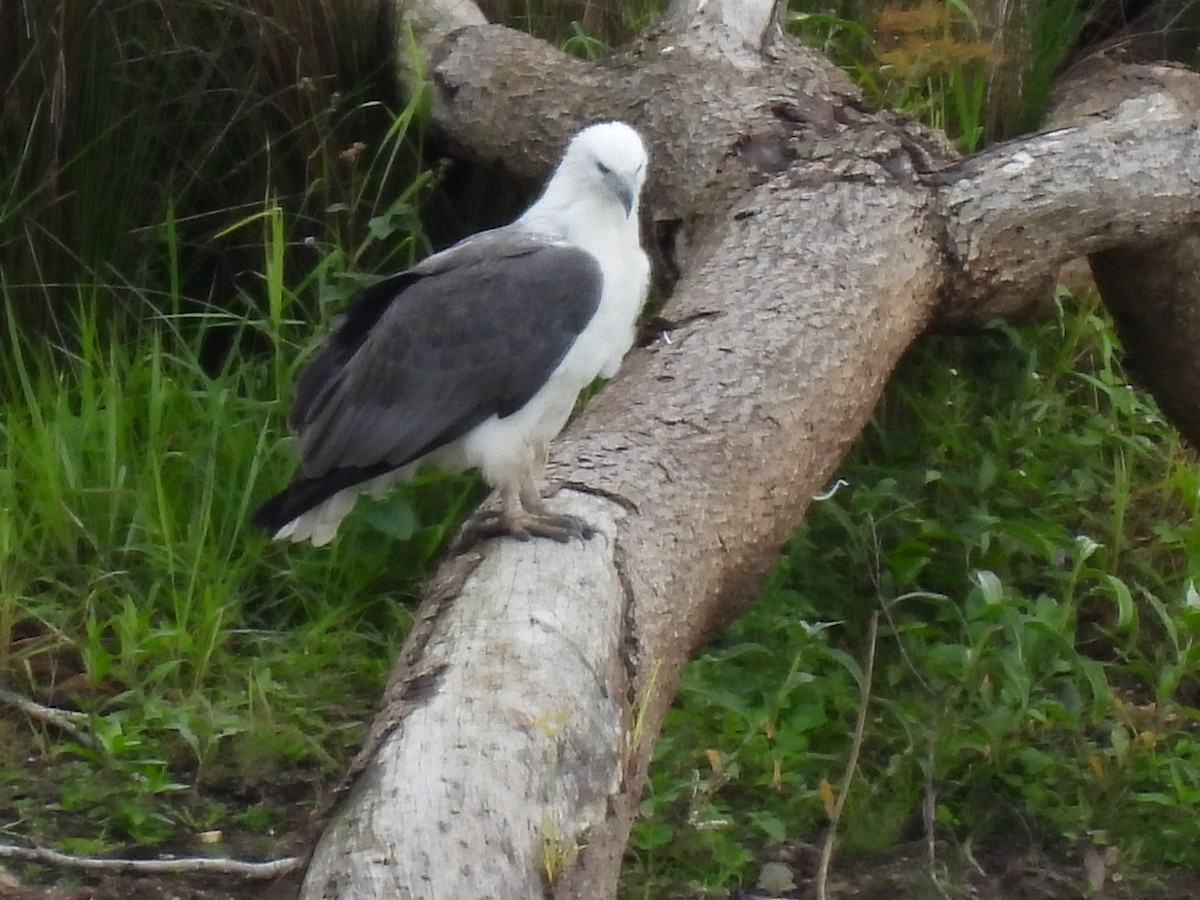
{"x":203,"y":865}
{"x":62,"y":719}
{"x":1017,"y":211}
{"x":738,"y":32}
{"x":1151,"y":282}
{"x":496,"y":94}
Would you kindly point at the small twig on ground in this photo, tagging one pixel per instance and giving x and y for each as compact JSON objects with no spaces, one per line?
{"x":929,"y":814}
{"x":201,"y":865}
{"x":969,"y":855}
{"x":62,"y":719}
{"x":929,"y":807}
{"x":860,"y":726}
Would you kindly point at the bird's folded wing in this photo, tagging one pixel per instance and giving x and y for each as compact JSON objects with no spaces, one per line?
{"x":475,"y":333}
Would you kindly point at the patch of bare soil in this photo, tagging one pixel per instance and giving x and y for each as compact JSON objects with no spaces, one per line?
{"x":988,"y":873}
{"x":111,"y":889}
{"x":122,"y":887}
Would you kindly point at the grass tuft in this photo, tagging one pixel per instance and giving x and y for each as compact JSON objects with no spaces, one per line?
{"x":137,"y":122}
{"x":209,"y":662}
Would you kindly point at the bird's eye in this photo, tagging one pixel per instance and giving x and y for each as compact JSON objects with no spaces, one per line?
{"x":604,"y":170}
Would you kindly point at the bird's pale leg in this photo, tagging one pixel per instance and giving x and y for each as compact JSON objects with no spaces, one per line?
{"x":541,"y":454}
{"x":546,"y":487}
{"x":528,"y":494}
{"x":529,"y":515}
{"x":523,"y":514}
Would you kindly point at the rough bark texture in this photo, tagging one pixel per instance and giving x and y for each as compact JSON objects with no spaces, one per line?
{"x":814,"y":242}
{"x":517,"y":677}
{"x":1154,"y":294}
{"x":1117,"y":168}
{"x":1151,"y":283}
{"x":498,"y":94}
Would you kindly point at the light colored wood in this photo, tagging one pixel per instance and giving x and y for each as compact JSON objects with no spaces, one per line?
{"x":514,"y":752}
{"x":1018,"y":211}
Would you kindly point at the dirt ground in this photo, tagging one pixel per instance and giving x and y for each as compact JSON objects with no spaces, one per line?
{"x":988,"y":874}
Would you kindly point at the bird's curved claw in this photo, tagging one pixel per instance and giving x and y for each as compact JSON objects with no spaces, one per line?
{"x":524,"y":526}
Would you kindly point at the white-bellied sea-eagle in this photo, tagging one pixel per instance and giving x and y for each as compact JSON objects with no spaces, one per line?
{"x":474,"y":357}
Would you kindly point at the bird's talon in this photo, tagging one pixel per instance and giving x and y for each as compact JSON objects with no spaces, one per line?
{"x":523,"y":526}
{"x":563,"y":528}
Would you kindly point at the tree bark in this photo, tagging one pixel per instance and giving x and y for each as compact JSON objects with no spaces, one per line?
{"x":1151,"y":281}
{"x":1153,"y":290}
{"x":813,"y":243}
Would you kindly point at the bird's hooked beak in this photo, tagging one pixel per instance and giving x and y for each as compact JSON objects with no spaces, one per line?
{"x":624,"y":189}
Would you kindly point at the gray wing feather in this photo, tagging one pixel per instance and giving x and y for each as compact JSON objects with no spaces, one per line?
{"x":474,"y":331}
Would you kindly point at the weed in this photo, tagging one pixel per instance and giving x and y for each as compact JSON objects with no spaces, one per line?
{"x":980,"y":81}
{"x":131,"y":585}
{"x":1026,"y":522}
{"x":559,"y":851}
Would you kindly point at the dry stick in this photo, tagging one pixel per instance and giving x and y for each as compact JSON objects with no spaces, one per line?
{"x":201,"y":865}
{"x":929,"y":801}
{"x":929,"y":809}
{"x":65,"y":721}
{"x":929,"y":814}
{"x":62,"y":719}
{"x":860,"y":725}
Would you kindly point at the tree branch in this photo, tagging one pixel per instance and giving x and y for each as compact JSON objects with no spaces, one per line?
{"x":203,"y":865}
{"x":1017,"y":211}
{"x":738,"y":32}
{"x":1150,"y":285}
{"x":66,"y":721}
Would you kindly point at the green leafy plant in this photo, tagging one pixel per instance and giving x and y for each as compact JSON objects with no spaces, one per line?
{"x":1025,"y":523}
{"x":582,"y":44}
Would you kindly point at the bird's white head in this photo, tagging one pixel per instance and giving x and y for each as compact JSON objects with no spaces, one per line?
{"x":605,"y":161}
{"x":609,"y":156}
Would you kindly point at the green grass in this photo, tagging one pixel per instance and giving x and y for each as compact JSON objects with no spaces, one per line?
{"x":125,"y":115}
{"x":209,"y":661}
{"x":131,"y":585}
{"x":149,"y":348}
{"x":1027,"y":525}
{"x":938,"y":61}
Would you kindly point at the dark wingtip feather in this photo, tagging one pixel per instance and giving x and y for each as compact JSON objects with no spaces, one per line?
{"x":305,"y":493}
{"x":271,"y":515}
